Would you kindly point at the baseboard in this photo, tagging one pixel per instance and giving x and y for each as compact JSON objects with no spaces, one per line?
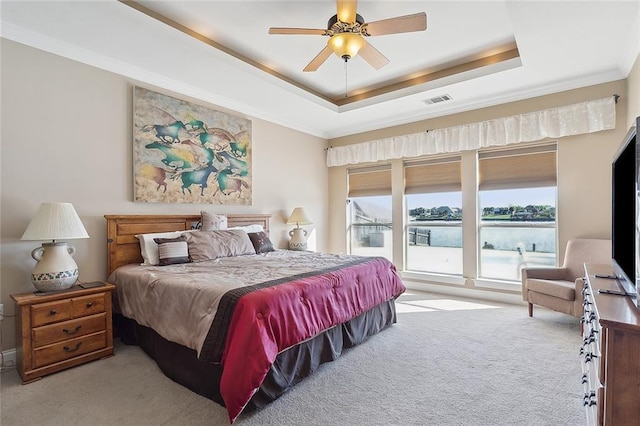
{"x":8,"y":359}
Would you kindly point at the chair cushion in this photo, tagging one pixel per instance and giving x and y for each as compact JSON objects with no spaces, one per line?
{"x":556,"y":288}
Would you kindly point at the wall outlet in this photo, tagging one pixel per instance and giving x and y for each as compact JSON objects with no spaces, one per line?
{"x":1,"y":311}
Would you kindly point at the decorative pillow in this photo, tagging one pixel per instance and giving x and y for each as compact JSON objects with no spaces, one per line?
{"x":207,"y":245}
{"x":172,"y":250}
{"x":212,"y":221}
{"x":249,"y":228}
{"x":261,"y":242}
{"x":149,"y":248}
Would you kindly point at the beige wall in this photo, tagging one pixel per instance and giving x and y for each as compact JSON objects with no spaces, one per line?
{"x":66,"y":136}
{"x":633,"y":83}
{"x":584,"y":163}
{"x":633,"y":92}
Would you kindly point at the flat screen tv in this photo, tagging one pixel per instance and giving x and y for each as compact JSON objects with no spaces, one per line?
{"x":625,"y":210}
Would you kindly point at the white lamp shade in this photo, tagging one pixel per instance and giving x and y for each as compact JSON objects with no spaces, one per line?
{"x":299,"y":217}
{"x":55,"y":221}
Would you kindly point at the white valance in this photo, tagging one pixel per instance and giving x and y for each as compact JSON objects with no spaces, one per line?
{"x":585,"y":117}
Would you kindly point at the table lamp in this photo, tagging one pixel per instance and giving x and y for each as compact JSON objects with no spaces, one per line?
{"x":55,"y":268}
{"x":298,"y":235}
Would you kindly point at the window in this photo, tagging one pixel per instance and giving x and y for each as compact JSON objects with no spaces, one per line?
{"x":369,"y":212}
{"x":510,"y":220}
{"x":517,"y":203}
{"x":433,"y":231}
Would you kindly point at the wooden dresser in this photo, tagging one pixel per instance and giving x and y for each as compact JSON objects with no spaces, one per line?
{"x":610,"y":352}
{"x":60,"y":330}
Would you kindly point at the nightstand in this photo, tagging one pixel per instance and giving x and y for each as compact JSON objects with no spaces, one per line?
{"x":56,"y":331}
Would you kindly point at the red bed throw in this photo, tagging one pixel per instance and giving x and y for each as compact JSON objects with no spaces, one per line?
{"x":269,"y":320}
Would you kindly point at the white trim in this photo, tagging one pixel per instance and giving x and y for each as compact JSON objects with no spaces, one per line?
{"x":425,"y":277}
{"x":464,"y":291}
{"x":412,"y":117}
{"x":487,"y":284}
{"x":39,"y":41}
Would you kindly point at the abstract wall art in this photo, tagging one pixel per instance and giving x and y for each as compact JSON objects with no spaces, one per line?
{"x":187,"y":153}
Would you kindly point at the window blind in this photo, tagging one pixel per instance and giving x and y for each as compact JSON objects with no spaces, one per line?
{"x":369,"y":181}
{"x":518,"y":168}
{"x":442,"y":175}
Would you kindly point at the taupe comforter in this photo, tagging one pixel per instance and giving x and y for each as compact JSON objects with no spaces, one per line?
{"x":180,"y":301}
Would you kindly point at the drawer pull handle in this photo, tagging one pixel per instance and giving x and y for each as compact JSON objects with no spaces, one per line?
{"x":68,"y":349}
{"x":53,"y":312}
{"x":67,"y":331}
{"x":589,"y":357}
{"x":589,"y":399}
{"x":89,"y":304}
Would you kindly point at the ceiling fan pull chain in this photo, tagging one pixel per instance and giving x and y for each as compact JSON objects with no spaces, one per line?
{"x":345,"y":78}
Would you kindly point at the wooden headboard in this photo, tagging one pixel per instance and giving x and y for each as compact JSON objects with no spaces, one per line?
{"x":123,"y":247}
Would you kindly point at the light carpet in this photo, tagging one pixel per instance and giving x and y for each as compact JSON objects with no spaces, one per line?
{"x":447,"y":361}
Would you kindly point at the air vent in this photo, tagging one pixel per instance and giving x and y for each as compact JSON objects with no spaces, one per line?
{"x":438,"y":99}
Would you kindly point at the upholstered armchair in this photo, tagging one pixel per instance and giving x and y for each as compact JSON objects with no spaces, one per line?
{"x":560,"y":288}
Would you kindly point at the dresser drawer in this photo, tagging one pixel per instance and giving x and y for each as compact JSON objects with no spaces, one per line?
{"x":69,"y":349}
{"x":87,"y":305}
{"x":47,"y":313}
{"x":58,"y":332}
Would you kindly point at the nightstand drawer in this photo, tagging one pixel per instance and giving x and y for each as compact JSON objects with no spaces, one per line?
{"x":87,"y":305}
{"x":53,"y":333}
{"x":46,"y":313}
{"x":68,"y":349}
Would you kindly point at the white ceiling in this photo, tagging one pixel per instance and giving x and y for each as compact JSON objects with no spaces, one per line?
{"x":561,"y":45}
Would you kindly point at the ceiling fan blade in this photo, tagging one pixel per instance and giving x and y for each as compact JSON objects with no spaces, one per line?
{"x":303,"y":31}
{"x":347,"y":10}
{"x":319,"y":59}
{"x":400,"y":24}
{"x":373,"y":56}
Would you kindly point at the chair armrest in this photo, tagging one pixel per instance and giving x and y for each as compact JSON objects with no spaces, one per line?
{"x":545,"y":273}
{"x":541,"y":274}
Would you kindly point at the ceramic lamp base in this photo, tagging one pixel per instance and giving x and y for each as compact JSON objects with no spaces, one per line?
{"x":56,"y":270}
{"x":298,"y":239}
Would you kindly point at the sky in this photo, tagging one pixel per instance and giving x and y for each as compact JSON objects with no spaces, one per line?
{"x":497,"y":198}
{"x":519,"y":197}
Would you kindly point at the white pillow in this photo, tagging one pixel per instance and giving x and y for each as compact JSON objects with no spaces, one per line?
{"x":149,"y":248}
{"x":249,"y":228}
{"x":212,"y":221}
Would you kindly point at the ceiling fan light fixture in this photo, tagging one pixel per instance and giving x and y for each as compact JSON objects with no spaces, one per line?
{"x":346,"y":31}
{"x":346,"y":45}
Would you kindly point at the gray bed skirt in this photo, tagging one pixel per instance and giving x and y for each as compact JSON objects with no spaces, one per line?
{"x":181,"y":364}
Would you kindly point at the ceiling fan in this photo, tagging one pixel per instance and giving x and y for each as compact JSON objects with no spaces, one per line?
{"x":347,"y":31}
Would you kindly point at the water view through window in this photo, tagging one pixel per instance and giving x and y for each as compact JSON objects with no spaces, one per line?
{"x":517,"y":228}
{"x":434,"y":233}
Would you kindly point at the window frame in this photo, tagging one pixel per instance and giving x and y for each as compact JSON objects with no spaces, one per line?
{"x":531,"y":164}
{"x":438,"y":174}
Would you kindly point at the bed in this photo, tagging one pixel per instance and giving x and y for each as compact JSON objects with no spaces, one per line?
{"x":242,"y":330}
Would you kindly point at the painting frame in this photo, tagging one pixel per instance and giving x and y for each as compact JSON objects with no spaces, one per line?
{"x":184,"y":152}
